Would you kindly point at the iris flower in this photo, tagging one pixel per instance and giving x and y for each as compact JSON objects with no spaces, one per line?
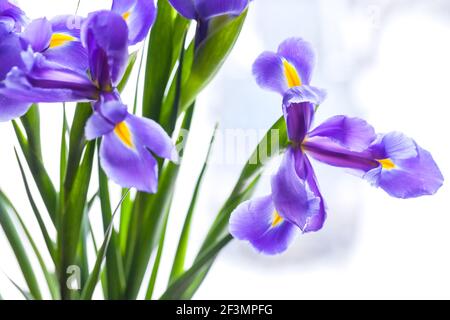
{"x":129,"y":142}
{"x":58,"y":40}
{"x":391,"y":161}
{"x":204,"y":10}
{"x":11,"y":16}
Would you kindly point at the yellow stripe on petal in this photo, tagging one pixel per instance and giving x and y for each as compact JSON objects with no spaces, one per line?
{"x":126,"y":15}
{"x":277,"y":219}
{"x":291,"y":74}
{"x":60,"y":39}
{"x":387,"y":164}
{"x":124,"y":134}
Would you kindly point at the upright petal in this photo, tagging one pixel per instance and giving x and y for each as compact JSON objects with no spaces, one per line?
{"x":257,"y":222}
{"x":352,"y":133}
{"x":301,"y":55}
{"x":268,"y":71}
{"x":208,"y":9}
{"x":406,"y":170}
{"x":14,"y":14}
{"x":38,"y":34}
{"x":185,"y":7}
{"x":139,"y":15}
{"x":105,"y":35}
{"x":298,"y":108}
{"x":292,"y":196}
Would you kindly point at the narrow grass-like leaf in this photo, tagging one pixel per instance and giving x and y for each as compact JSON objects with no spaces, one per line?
{"x":177,"y":289}
{"x":48,"y":241}
{"x":24,"y":293}
{"x":89,"y":288}
{"x":12,"y":234}
{"x":126,"y":76}
{"x":180,"y":256}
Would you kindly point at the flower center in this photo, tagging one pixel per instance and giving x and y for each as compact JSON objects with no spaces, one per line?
{"x":291,"y":74}
{"x":276,"y":219}
{"x":387,"y":164}
{"x":124,"y":134}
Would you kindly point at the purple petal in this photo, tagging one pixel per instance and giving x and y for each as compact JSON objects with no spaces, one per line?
{"x":43,"y":81}
{"x":208,"y":9}
{"x":298,"y":108}
{"x":105,"y":118}
{"x":334,"y":154}
{"x":38,"y":34}
{"x":105,"y":35}
{"x":352,"y":133}
{"x":10,"y":53}
{"x":10,"y":109}
{"x":152,"y":136}
{"x":269,"y":73}
{"x":300,"y":54}
{"x":253,"y":221}
{"x":139,"y":15}
{"x":185,"y":7}
{"x":125,"y":162}
{"x":414,"y":172}
{"x":292,"y":196}
{"x":14,"y":13}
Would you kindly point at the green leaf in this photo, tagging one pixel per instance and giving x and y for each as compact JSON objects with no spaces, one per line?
{"x":180,"y":256}
{"x":177,"y":289}
{"x":115,"y":274}
{"x":42,"y":226}
{"x":31,"y":123}
{"x":39,"y":173}
{"x":25,"y":294}
{"x":89,"y":288}
{"x":12,"y":234}
{"x":159,"y":60}
{"x":209,"y":58}
{"x":128,"y":70}
{"x":73,"y":211}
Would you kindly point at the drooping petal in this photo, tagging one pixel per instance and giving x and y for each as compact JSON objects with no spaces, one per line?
{"x":298,"y":108}
{"x":352,"y":133}
{"x":152,"y":136}
{"x":269,"y":73}
{"x":40,"y":80}
{"x":105,"y":35}
{"x":185,"y":7}
{"x":105,"y":118}
{"x":208,"y":9}
{"x":305,"y":171}
{"x":407,"y":171}
{"x":257,"y":222}
{"x":292,"y":196}
{"x":10,"y":109}
{"x":126,"y":162}
{"x":301,"y":55}
{"x":139,"y":15}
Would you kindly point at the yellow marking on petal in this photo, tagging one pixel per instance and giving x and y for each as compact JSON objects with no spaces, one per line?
{"x":126,"y":15}
{"x":124,"y":134}
{"x":387,"y":164}
{"x":277,"y":219}
{"x":60,"y":39}
{"x":291,"y":74}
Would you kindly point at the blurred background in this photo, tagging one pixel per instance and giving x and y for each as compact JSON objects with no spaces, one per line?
{"x":386,"y":61}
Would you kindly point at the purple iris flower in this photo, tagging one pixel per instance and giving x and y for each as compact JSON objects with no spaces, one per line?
{"x":205,"y":10}
{"x":390,"y":161}
{"x":58,"y":40}
{"x":139,"y":15}
{"x":11,"y":16}
{"x":129,"y":142}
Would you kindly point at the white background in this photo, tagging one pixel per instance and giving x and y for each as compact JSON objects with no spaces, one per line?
{"x":386,"y":61}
